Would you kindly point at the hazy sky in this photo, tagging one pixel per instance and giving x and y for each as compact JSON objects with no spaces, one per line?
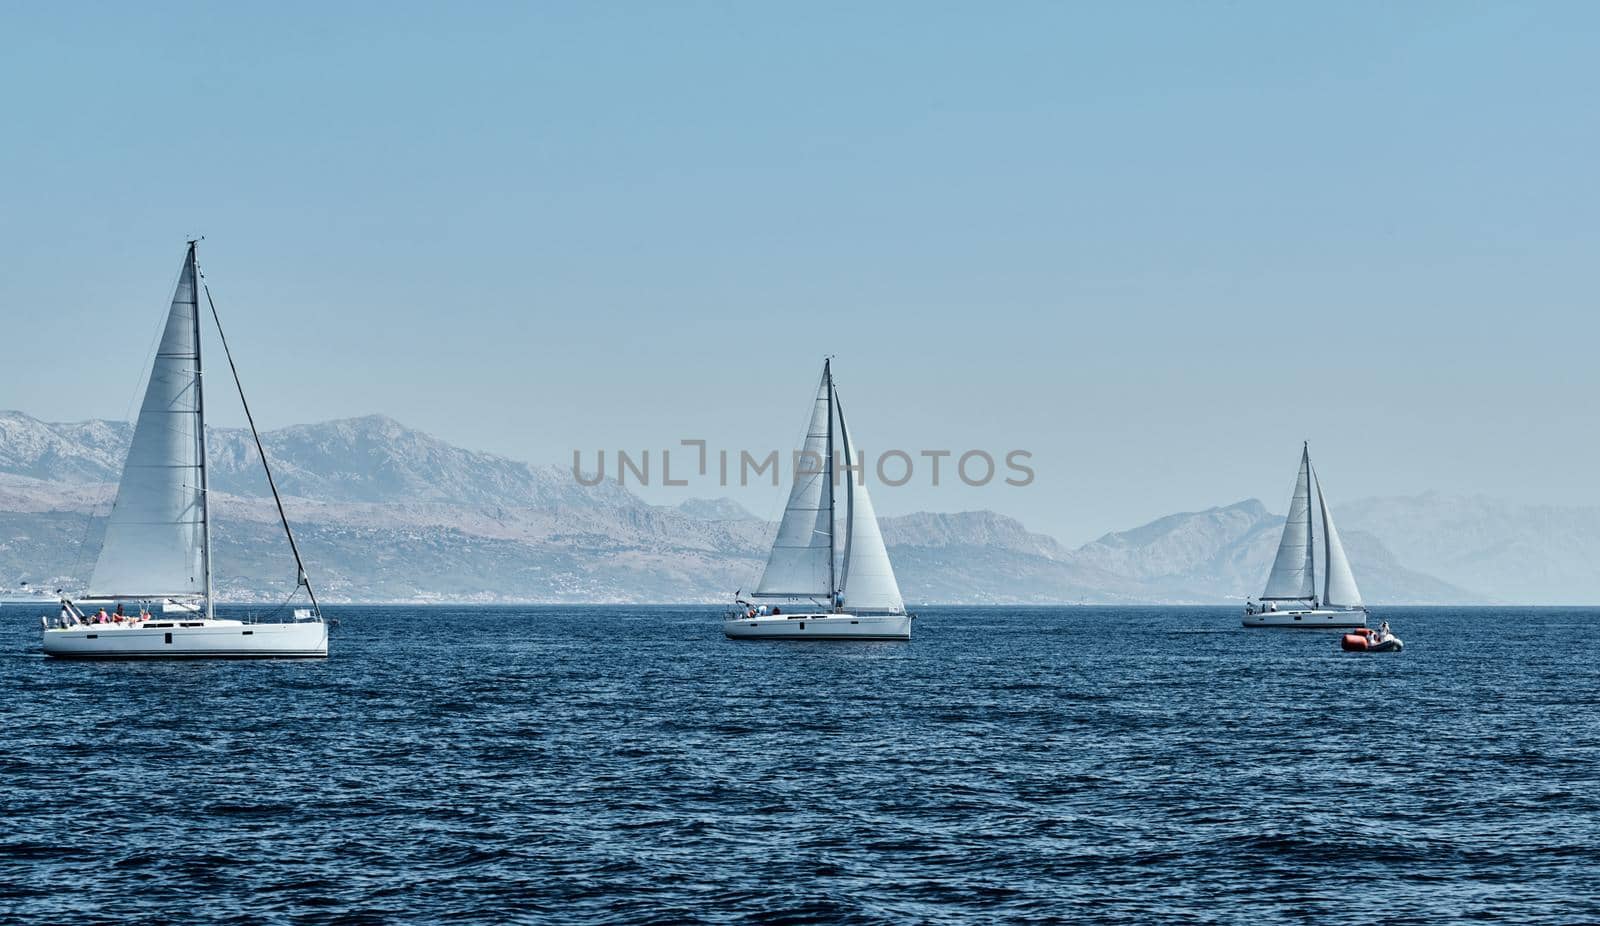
{"x":1157,"y":245}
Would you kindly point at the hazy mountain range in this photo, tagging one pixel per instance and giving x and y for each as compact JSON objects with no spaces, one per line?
{"x":388,"y":513}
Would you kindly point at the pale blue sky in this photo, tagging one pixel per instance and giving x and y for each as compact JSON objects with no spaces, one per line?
{"x":1155,"y":244}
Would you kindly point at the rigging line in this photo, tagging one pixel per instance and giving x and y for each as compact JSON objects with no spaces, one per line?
{"x":1311,"y":521}
{"x":827,"y":483}
{"x":302,"y":578}
{"x":200,"y":432}
{"x":849,"y":495}
{"x":279,"y":609}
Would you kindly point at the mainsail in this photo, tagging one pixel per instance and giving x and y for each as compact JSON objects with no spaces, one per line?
{"x":156,"y":543}
{"x":801,"y":563}
{"x":1293,"y":571}
{"x":1340,"y":583}
{"x":868,"y":582}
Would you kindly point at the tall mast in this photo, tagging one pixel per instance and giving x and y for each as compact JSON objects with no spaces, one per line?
{"x":849,"y":497}
{"x":200,"y":412}
{"x":1311,"y":540}
{"x":833,"y":589}
{"x":1327,"y":548}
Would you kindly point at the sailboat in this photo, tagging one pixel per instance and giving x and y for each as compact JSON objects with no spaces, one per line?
{"x":824,"y":580}
{"x":155,"y":564}
{"x":1291,"y":599}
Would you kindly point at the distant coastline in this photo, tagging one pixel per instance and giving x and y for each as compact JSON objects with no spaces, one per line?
{"x":389,"y":514}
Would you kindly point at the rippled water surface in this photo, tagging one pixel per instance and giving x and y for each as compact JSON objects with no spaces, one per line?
{"x":571,"y":765}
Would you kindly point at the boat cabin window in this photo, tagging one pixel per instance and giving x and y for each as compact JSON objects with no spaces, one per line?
{"x":158,"y":625}
{"x":192,"y":624}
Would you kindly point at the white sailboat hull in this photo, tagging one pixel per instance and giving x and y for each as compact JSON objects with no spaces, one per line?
{"x":1303,"y":618}
{"x":819,"y":627}
{"x":192,"y":639}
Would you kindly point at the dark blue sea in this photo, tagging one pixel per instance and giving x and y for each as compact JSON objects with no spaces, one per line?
{"x":629,"y":765}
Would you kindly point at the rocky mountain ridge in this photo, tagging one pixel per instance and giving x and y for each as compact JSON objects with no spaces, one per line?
{"x":386,"y":512}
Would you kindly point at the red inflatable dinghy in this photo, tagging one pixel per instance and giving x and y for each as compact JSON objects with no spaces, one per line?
{"x":1367,"y":640}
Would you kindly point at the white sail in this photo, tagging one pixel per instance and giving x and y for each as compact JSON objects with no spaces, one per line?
{"x":869,"y":583}
{"x":156,"y":535}
{"x":1293,"y":575}
{"x":801,"y":563}
{"x":1340,"y":588}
